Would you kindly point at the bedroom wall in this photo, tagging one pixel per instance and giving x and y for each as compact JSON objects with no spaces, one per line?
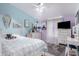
{"x":17,"y":15}
{"x":65,"y":18}
{"x":70,"y":18}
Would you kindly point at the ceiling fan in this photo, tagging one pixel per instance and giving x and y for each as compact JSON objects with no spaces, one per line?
{"x":39,"y":4}
{"x":39,"y":7}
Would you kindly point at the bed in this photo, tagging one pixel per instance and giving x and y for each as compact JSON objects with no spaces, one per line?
{"x":23,"y":46}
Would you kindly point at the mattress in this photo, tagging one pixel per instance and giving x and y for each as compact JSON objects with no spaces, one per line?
{"x":22,"y":46}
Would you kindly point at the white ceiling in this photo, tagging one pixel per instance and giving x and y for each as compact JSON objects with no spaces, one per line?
{"x":51,"y":9}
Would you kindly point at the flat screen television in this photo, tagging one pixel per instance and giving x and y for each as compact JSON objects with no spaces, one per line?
{"x":64,"y":25}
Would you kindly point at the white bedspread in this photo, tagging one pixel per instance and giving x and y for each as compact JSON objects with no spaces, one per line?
{"x":22,"y":46}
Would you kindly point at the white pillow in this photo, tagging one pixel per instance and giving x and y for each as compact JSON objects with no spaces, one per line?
{"x":2,"y":35}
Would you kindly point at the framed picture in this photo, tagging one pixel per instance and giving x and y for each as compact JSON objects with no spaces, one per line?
{"x":16,"y":25}
{"x":27,"y":23}
{"x":6,"y":20}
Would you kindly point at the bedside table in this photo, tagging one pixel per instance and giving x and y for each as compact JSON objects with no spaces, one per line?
{"x":36,"y":35}
{"x":29,"y":35}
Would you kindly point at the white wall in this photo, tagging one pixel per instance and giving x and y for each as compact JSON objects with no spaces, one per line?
{"x":51,"y":9}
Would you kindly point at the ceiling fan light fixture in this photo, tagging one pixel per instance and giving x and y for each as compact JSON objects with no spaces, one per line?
{"x":39,"y":5}
{"x":40,"y":9}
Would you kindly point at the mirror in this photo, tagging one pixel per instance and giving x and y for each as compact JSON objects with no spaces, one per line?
{"x":17,"y":25}
{"x":6,"y":20}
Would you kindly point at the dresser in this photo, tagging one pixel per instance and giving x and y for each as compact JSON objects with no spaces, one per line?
{"x":63,"y":34}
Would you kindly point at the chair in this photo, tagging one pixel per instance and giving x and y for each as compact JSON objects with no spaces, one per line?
{"x":69,"y":47}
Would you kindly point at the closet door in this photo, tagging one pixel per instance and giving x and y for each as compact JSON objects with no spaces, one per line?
{"x":52,"y":32}
{"x":52,"y":29}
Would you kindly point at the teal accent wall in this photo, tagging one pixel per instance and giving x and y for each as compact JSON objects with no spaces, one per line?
{"x":16,"y":15}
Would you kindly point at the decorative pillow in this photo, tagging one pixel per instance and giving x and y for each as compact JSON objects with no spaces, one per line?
{"x":10,"y":36}
{"x":2,"y":35}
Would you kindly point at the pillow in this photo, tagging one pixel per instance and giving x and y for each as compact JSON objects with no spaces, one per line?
{"x":9,"y":36}
{"x":2,"y":35}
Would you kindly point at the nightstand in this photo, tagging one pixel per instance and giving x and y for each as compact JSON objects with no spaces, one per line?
{"x":36,"y":35}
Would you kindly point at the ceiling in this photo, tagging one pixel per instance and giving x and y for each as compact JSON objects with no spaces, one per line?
{"x":50,"y":9}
